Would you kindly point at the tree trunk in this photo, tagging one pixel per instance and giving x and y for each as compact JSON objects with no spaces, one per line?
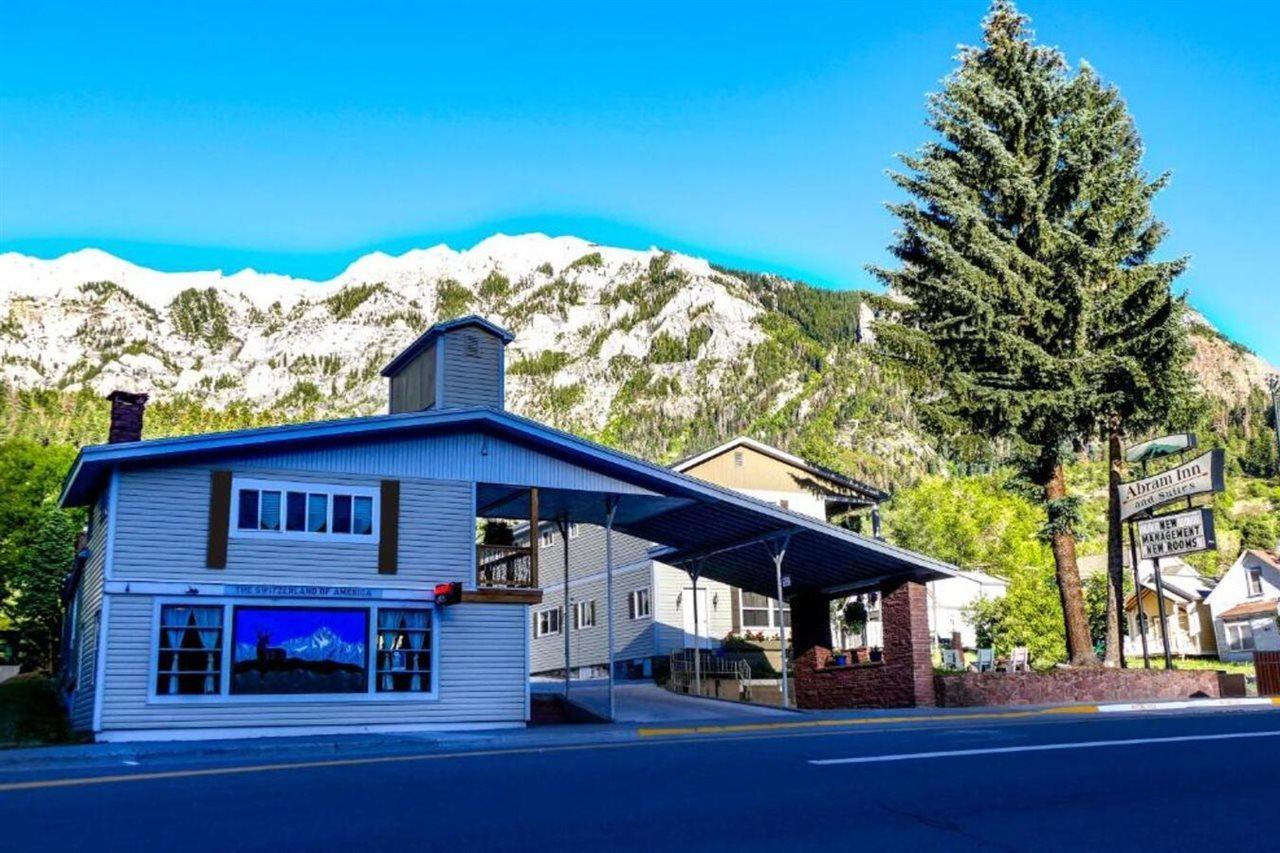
{"x":1063,"y":542}
{"x":1115,"y":549}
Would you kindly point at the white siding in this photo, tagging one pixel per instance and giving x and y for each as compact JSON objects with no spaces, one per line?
{"x":163,"y":518}
{"x":482,"y":679}
{"x":669,"y":602}
{"x":88,"y":609}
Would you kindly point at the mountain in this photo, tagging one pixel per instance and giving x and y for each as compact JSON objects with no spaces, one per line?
{"x":322,"y":644}
{"x":657,"y":353}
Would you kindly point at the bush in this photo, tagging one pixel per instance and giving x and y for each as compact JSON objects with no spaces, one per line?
{"x":31,"y":712}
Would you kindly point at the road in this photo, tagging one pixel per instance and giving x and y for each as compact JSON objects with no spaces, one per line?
{"x":1159,"y":782}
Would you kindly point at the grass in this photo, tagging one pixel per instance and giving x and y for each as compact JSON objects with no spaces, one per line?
{"x":1233,"y":667}
{"x":31,"y":712}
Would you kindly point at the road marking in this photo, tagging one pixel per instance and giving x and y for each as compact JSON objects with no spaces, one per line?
{"x":734,"y":728}
{"x":1043,"y":747}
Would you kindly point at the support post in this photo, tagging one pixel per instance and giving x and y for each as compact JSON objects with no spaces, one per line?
{"x":610,"y":508}
{"x":1141,"y":618}
{"x":533,"y":538}
{"x":1164,"y":620}
{"x":778,"y":550}
{"x":563,"y":524}
{"x":697,"y":636}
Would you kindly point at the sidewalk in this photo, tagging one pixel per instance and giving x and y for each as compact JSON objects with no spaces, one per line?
{"x":15,"y":763}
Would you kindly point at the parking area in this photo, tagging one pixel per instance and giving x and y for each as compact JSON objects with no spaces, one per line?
{"x":646,"y":702}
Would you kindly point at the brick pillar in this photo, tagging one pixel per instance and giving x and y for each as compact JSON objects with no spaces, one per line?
{"x":908,"y":660}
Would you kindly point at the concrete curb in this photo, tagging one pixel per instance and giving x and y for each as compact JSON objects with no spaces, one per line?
{"x":1190,"y":704}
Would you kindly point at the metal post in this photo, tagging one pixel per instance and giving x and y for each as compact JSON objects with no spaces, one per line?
{"x":779,"y":551}
{"x":1164,"y":620}
{"x":1275,"y":407}
{"x":563,"y":524}
{"x":697,"y":637}
{"x":1137,"y":595}
{"x":610,"y":507}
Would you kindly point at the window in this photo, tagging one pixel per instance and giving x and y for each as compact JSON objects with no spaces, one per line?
{"x":584,"y":615}
{"x":404,"y":651}
{"x":1240,"y":636}
{"x":189,"y":651}
{"x":472,"y":346}
{"x":574,"y":530}
{"x":546,"y":622}
{"x":547,"y":538}
{"x":266,"y":508}
{"x":737,"y":459}
{"x":1254,"y":577}
{"x":638,"y":604}
{"x":296,"y":650}
{"x":759,"y":611}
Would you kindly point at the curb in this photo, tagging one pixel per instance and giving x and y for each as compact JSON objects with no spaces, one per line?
{"x":1189,"y":704}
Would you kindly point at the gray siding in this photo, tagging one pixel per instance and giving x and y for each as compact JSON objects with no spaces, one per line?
{"x":669,"y":604}
{"x":473,"y":367}
{"x":633,"y":638}
{"x":482,"y":679}
{"x":163,"y":520}
{"x":414,"y":387}
{"x":88,"y":613}
{"x":586,"y":553}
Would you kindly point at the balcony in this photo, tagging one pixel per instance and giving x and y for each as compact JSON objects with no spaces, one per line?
{"x":505,"y":567}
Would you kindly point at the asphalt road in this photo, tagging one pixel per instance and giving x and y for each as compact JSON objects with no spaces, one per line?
{"x":1187,"y":782}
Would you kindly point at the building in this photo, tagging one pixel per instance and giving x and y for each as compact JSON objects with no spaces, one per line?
{"x":661,"y":618}
{"x":1187,"y":613}
{"x":1246,"y":606}
{"x":299,"y":578}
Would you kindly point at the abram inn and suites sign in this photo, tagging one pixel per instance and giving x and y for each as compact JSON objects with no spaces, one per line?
{"x":1176,"y":533}
{"x":1199,"y":476}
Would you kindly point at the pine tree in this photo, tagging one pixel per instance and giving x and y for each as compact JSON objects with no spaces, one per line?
{"x":1136,"y":324}
{"x":996,"y":300}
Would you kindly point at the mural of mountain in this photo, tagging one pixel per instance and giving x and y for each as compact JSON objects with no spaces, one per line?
{"x":657,"y":353}
{"x":322,"y":645}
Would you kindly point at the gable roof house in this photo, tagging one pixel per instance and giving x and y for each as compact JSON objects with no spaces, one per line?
{"x":1246,"y":606}
{"x":1187,"y":615}
{"x":284,"y":579}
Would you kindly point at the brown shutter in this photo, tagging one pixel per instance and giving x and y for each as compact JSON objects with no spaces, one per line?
{"x":219,"y":518}
{"x":389,"y":527}
{"x":735,"y":608}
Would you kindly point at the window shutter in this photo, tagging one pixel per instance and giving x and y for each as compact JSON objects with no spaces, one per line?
{"x":735,"y":608}
{"x":389,"y":527}
{"x":219,"y":519}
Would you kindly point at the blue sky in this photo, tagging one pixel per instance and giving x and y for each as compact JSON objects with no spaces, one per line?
{"x":293,"y":137}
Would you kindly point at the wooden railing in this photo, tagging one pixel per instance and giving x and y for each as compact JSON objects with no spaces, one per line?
{"x":504,"y":567}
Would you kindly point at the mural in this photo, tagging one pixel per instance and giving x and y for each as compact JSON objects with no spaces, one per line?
{"x":292,"y":650}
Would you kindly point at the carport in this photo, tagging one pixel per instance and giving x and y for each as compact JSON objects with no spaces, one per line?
{"x":719,"y":534}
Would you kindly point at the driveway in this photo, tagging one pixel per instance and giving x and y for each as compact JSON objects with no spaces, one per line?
{"x":646,"y":702}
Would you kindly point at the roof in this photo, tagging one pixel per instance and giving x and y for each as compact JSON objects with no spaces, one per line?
{"x":424,"y":340}
{"x":1265,"y":556}
{"x":869,"y":491}
{"x":726,"y":533}
{"x":1251,"y":608}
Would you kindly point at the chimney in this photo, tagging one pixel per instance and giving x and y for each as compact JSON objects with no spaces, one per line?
{"x":459,"y":363}
{"x":126,"y":416}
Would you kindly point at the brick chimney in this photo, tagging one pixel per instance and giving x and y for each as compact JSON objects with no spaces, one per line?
{"x":126,"y":416}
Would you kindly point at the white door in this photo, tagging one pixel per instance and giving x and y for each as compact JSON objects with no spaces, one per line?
{"x":686,"y":607}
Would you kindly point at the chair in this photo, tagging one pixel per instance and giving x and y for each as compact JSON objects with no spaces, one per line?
{"x":1020,"y":660}
{"x":951,"y":659}
{"x":986,"y":660}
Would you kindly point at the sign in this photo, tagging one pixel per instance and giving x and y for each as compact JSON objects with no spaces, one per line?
{"x":1200,"y":475}
{"x":1157,"y":447}
{"x":786,"y":581}
{"x":1176,"y":533}
{"x":289,"y":591}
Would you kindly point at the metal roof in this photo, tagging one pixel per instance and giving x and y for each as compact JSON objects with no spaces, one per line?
{"x":411,"y":351}
{"x":868,"y":491}
{"x":725,"y":533}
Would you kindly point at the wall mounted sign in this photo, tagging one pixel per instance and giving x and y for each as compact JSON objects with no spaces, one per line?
{"x":1163,"y":446}
{"x":289,"y":591}
{"x":1200,"y":475}
{"x":1176,"y":533}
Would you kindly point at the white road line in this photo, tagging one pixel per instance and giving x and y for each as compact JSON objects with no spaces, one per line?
{"x":1042,"y":747}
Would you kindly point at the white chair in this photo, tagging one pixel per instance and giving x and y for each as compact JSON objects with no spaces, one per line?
{"x":986,"y":660}
{"x":951,"y":659}
{"x":1020,"y":660}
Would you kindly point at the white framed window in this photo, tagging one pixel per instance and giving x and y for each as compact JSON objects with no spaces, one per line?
{"x":547,"y":537}
{"x":1239,"y":636}
{"x":1254,"y":579}
{"x":404,"y":650}
{"x":274,"y":509}
{"x":760,"y":611}
{"x":584,"y":614}
{"x":638,"y":604}
{"x":546,"y":622}
{"x":574,"y":530}
{"x":190,"y":649}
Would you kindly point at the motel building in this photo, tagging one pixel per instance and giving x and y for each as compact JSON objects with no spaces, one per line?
{"x":329,"y":577}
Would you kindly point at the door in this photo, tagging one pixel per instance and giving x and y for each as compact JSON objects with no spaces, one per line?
{"x":686,"y":607}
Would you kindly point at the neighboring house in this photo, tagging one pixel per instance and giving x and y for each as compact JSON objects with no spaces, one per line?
{"x":302,"y":578}
{"x":1246,"y":606}
{"x":1187,"y":613}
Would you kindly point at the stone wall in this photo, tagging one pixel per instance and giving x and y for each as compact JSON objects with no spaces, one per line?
{"x":1092,"y":684}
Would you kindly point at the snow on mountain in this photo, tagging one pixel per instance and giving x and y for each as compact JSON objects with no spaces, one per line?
{"x":322,"y":644}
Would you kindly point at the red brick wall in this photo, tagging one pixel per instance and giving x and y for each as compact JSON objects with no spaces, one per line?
{"x":903,"y":679}
{"x":1092,"y":684}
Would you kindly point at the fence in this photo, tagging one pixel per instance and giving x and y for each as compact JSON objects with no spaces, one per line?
{"x":1267,"y":667}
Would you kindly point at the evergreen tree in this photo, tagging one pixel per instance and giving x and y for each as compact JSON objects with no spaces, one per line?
{"x":36,"y":606}
{"x":996,"y":302}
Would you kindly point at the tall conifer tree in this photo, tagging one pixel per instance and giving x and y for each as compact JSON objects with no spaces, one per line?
{"x":1025,"y":268}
